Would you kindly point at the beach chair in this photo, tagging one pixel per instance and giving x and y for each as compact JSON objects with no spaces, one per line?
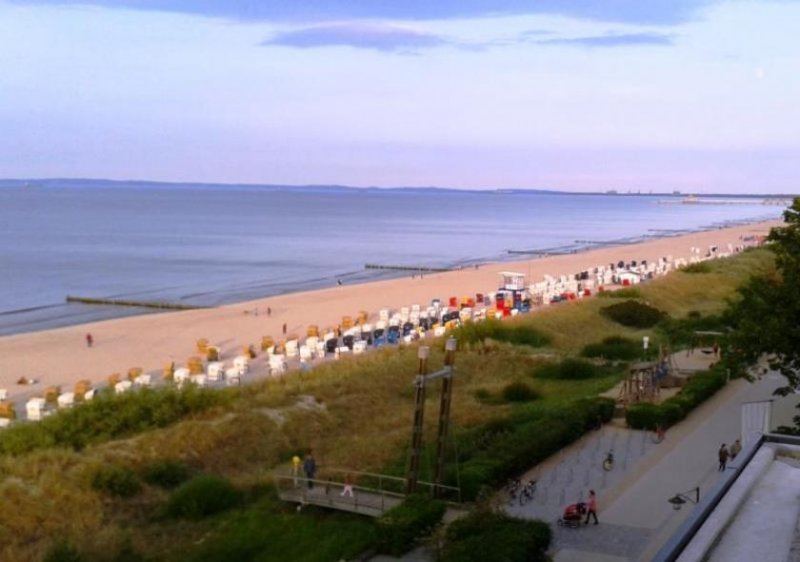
{"x":34,"y":408}
{"x":233,"y":376}
{"x":277,"y":364}
{"x":3,"y":394}
{"x":143,"y":380}
{"x":122,"y":387}
{"x":4,"y":423}
{"x":305,"y":353}
{"x":291,"y":348}
{"x":181,"y":376}
{"x":198,"y":379}
{"x":216,"y":371}
{"x":359,"y":347}
{"x":66,"y":400}
{"x":241,"y":364}
{"x":88,"y":395}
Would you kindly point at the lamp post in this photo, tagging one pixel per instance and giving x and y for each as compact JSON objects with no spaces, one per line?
{"x":678,"y":500}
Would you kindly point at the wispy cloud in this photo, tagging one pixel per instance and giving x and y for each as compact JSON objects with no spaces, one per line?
{"x":611,"y":40}
{"x":651,"y":12}
{"x":360,"y":35}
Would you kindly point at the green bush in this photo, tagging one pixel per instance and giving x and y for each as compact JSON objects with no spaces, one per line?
{"x":614,"y":348}
{"x":63,"y":551}
{"x":528,"y":441}
{"x":115,"y":480}
{"x":699,"y":267}
{"x":510,"y":332}
{"x":202,"y":496}
{"x":569,"y":369}
{"x":109,"y":416}
{"x":633,"y":314}
{"x":697,"y":390}
{"x":626,"y":293}
{"x":400,"y":527}
{"x":519,"y":392}
{"x":482,"y":536}
{"x":165,"y":473}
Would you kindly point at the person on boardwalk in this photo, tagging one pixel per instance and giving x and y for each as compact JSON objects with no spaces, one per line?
{"x":736,"y":448}
{"x":310,"y":468}
{"x":89,"y":340}
{"x":296,"y":462}
{"x":723,"y":457}
{"x":591,"y":508}
{"x":348,"y":485}
{"x":715,"y":349}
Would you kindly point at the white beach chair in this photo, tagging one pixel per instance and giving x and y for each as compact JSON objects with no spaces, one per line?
{"x":88,"y":395}
{"x":122,"y":387}
{"x":439,"y":331}
{"x":34,"y":408}
{"x":4,"y":423}
{"x":66,"y":400}
{"x":277,"y":364}
{"x":359,"y":347}
{"x":143,"y":380}
{"x":305,"y":353}
{"x":3,"y":394}
{"x":199,"y":379}
{"x":216,"y":371}
{"x":233,"y":376}
{"x":320,"y":349}
{"x":181,"y":376}
{"x":291,"y":348}
{"x":242,"y":364}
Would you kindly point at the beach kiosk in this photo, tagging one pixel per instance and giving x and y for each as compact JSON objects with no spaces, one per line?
{"x":512,"y":293}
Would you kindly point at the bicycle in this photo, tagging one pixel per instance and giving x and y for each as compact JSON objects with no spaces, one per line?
{"x":527,"y":492}
{"x":608,"y":462}
{"x":513,"y":491}
{"x":658,"y":434}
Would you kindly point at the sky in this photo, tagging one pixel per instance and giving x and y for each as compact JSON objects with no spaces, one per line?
{"x":700,"y":96}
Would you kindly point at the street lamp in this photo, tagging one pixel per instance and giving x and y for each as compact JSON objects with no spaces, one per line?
{"x":678,"y":500}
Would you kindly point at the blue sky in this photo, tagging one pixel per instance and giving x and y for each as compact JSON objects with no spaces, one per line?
{"x":699,"y":96}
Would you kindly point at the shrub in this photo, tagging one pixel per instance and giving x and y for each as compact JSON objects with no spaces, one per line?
{"x":400,"y":527}
{"x":165,"y":473}
{"x":633,"y":314}
{"x":482,"y":395}
{"x":614,"y":348}
{"x":514,"y":333}
{"x":519,"y":392}
{"x":202,"y":496}
{"x":696,"y":391}
{"x":116,"y":480}
{"x":62,"y":551}
{"x":484,"y":536}
{"x":699,"y":267}
{"x":626,"y":293}
{"x":569,"y":369}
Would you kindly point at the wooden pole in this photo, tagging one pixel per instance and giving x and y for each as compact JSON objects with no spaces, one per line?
{"x":444,"y":415}
{"x":419,"y":415}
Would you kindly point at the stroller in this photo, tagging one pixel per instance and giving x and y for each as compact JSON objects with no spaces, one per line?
{"x":572,"y":515}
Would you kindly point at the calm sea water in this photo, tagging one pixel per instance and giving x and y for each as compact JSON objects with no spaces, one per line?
{"x":209,"y":245}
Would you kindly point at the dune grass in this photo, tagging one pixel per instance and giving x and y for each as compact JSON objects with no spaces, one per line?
{"x":355,"y":413}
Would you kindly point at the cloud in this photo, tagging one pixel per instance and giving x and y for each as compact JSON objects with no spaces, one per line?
{"x":665,"y":12}
{"x":362,"y":35}
{"x":612,"y":40}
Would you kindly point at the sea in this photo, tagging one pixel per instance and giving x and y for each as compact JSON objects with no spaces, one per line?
{"x":206,"y":245}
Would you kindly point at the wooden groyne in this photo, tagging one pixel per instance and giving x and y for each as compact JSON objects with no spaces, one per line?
{"x":407,"y":268}
{"x":141,"y":304}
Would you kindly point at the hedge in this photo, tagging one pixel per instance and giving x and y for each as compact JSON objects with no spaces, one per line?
{"x":697,"y":390}
{"x":569,"y":369}
{"x":614,"y":348}
{"x":523,"y":444}
{"x":515,"y":333}
{"x":202,"y":496}
{"x":482,"y":536}
{"x":401,"y":527}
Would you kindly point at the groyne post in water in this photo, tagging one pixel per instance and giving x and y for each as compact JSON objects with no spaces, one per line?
{"x":407,"y":268}
{"x":141,"y":304}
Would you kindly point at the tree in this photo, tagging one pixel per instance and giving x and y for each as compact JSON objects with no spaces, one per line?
{"x":767,"y":318}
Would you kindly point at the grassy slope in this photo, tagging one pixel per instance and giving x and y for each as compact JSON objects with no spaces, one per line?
{"x":364,"y":425}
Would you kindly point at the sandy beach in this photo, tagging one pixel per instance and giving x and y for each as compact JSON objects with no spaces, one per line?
{"x":61,"y":356}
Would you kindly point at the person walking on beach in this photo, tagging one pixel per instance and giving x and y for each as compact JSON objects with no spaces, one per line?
{"x":269,"y":311}
{"x":348,"y":485}
{"x":736,"y":448}
{"x":89,"y":340}
{"x":723,"y":457}
{"x":284,"y":328}
{"x":310,"y":468}
{"x":296,"y":462}
{"x":591,"y":508}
